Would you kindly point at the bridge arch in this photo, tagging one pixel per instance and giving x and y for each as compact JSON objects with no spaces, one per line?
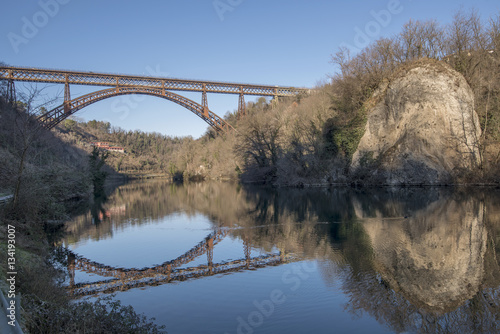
{"x":53,"y":117}
{"x":121,"y":279}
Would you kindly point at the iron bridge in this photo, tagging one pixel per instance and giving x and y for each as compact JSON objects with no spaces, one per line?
{"x":132,"y":84}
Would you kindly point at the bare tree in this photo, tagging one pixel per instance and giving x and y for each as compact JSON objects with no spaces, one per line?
{"x":420,"y":39}
{"x":26,"y":130}
{"x":494,"y":33}
{"x":466,"y":43}
{"x":259,"y":144}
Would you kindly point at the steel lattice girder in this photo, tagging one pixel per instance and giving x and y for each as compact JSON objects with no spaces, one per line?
{"x":198,"y":250}
{"x":103,"y":79}
{"x":56,"y":115}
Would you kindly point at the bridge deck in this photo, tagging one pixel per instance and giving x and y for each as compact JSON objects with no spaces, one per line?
{"x":113,"y":80}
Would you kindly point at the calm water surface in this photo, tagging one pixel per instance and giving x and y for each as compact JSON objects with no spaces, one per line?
{"x":221,"y":258}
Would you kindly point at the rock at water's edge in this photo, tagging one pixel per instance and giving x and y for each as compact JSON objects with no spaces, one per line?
{"x":422,"y":128}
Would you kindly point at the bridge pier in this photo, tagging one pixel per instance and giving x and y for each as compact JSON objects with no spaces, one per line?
{"x":67,"y":96}
{"x":11,"y":92}
{"x":122,"y":279}
{"x":71,"y":269}
{"x":241,"y":106}
{"x":169,"y":271}
{"x":204,"y":99}
{"x":210,"y":253}
{"x":247,"y":248}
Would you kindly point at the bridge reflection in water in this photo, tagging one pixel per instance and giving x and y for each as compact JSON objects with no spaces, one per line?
{"x":414,"y":260}
{"x":126,"y":279}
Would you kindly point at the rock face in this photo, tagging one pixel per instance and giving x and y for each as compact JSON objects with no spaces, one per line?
{"x":421,"y":127}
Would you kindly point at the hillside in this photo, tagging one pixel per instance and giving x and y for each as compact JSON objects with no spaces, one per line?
{"x":42,"y":172}
{"x":311,"y":140}
{"x":332,"y":136}
{"x":143,"y":152}
{"x":49,"y":179}
{"x":152,"y":154}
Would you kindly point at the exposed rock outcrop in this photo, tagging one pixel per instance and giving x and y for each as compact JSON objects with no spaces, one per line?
{"x":421,"y":127}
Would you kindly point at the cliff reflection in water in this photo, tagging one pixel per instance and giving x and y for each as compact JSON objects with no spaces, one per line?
{"x":415,"y":259}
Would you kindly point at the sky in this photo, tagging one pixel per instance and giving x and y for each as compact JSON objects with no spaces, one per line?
{"x":274,"y":42}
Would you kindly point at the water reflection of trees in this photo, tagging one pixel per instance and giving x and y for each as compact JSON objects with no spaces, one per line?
{"x":434,"y":271}
{"x":145,"y":202}
{"x":415,"y":259}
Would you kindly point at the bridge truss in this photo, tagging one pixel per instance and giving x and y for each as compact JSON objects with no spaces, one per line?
{"x":130,"y":84}
{"x":56,"y":115}
{"x":121,"y":279}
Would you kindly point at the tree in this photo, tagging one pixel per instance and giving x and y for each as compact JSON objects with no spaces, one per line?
{"x":69,"y":124}
{"x":419,"y":39}
{"x":259,"y":144}
{"x":27,"y":130}
{"x":97,"y":160}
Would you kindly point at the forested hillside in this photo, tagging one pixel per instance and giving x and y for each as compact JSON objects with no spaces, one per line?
{"x":144,"y":152}
{"x":38,"y":169}
{"x":311,"y":139}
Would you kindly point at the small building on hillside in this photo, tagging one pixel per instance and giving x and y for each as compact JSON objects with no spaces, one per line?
{"x":100,"y":144}
{"x":106,"y":146}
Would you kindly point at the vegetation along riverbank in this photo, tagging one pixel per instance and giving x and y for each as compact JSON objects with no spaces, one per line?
{"x":420,"y":108}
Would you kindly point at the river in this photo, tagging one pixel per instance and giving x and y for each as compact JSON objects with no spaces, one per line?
{"x":226,"y":258}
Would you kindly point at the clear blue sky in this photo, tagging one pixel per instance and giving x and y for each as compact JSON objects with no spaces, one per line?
{"x":281,"y":42}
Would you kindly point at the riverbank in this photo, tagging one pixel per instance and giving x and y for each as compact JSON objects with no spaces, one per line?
{"x":44,"y":180}
{"x":46,"y":305}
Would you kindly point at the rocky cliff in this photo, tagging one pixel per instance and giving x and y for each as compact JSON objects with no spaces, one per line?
{"x":421,"y":127}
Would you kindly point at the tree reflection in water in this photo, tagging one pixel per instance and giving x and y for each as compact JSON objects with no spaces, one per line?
{"x":422,"y":259}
